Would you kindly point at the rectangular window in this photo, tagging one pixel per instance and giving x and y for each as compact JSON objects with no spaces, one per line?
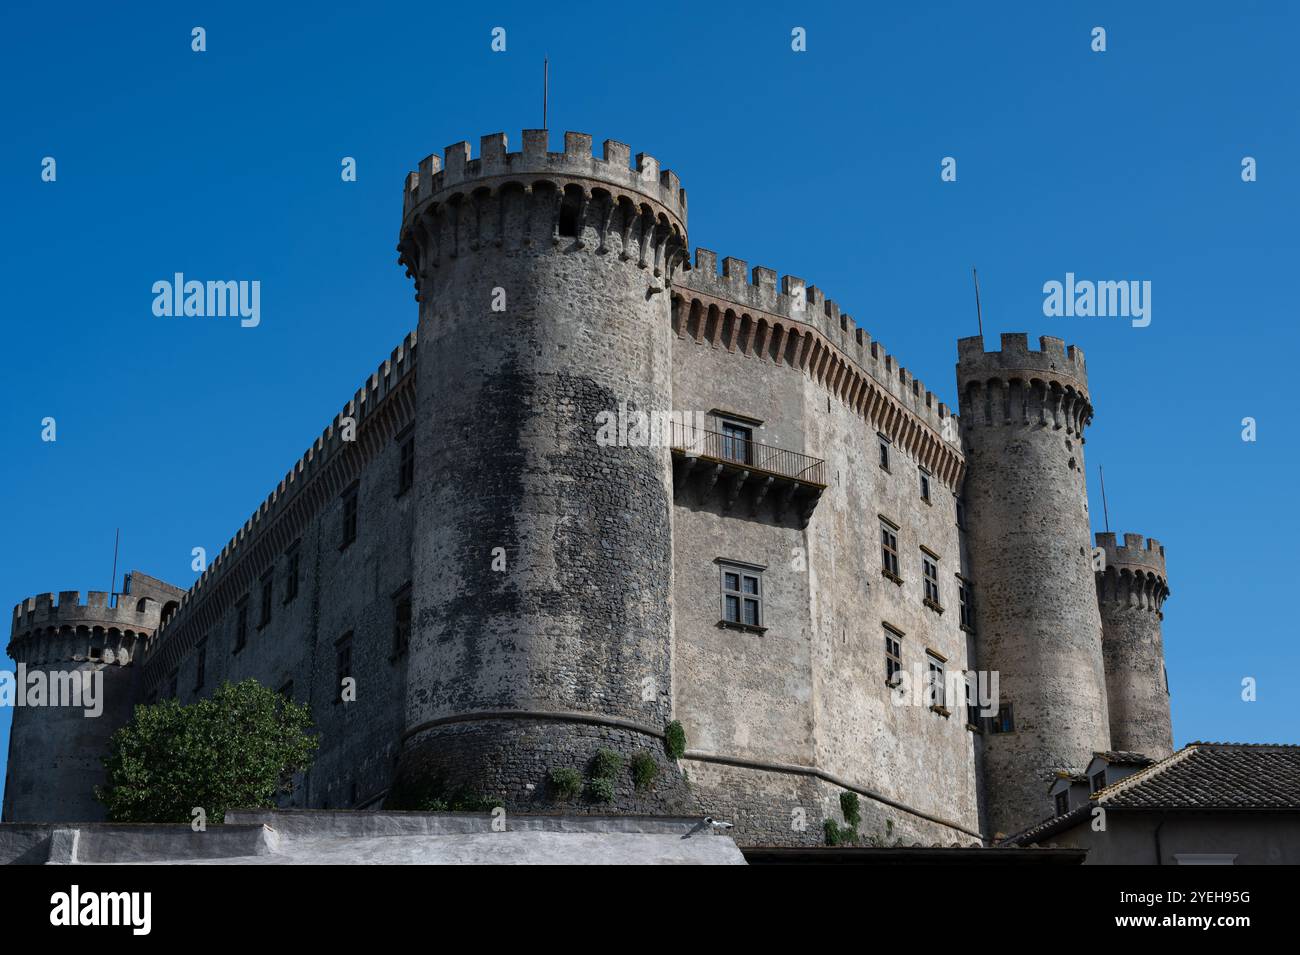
{"x":342,"y":664}
{"x":1004,"y":721}
{"x":737,"y":442}
{"x":930,"y":581}
{"x":925,"y":485}
{"x":349,"y":517}
{"x":893,"y":655}
{"x":1062,"y":802}
{"x":201,"y":664}
{"x":1099,"y":781}
{"x":742,"y":596}
{"x":401,"y":620}
{"x":406,"y":465}
{"x":935,"y":690}
{"x":241,"y":624}
{"x":293,"y":572}
{"x":884,"y":450}
{"x":966,"y":604}
{"x":973,"y":720}
{"x":267,"y":590}
{"x":889,"y":552}
{"x":961,"y":514}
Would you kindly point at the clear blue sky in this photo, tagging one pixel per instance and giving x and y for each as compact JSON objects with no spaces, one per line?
{"x":825,"y":164}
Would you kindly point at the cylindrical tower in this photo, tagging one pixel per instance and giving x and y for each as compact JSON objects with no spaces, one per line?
{"x":1037,"y":624}
{"x":542,"y":585}
{"x":1131,"y":588}
{"x":73,"y":689}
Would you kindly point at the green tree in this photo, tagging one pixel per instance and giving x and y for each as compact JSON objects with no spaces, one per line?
{"x":237,"y":749}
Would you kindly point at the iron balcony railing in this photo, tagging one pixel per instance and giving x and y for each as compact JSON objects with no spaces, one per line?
{"x":743,"y":452}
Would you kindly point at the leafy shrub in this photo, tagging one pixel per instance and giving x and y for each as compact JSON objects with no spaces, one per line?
{"x":832,"y":830}
{"x":601,"y":789}
{"x":237,"y":749}
{"x":644,"y":769}
{"x":566,"y":783}
{"x":849,"y":806}
{"x":606,"y":764}
{"x":675,"y":740}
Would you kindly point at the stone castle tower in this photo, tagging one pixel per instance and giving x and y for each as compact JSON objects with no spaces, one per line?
{"x":1131,"y":588}
{"x":54,"y":751}
{"x":541,"y":281}
{"x":510,"y":593}
{"x":1023,"y":415}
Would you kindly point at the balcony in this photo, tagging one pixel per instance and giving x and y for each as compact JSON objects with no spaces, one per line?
{"x":738,"y":470}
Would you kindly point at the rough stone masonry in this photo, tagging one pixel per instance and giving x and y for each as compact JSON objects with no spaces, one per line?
{"x":512,"y":596}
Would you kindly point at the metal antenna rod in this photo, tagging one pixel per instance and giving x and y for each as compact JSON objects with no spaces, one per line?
{"x":112,"y":583}
{"x":978,"y":315}
{"x":1104,"y":510}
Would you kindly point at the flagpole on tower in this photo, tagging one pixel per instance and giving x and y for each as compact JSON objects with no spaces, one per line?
{"x":546,"y":70}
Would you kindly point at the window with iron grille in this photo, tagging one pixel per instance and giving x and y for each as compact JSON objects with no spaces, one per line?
{"x":737,"y":442}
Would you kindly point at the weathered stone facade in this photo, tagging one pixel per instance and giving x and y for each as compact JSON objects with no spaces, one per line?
{"x":1131,"y":588}
{"x":511,"y":592}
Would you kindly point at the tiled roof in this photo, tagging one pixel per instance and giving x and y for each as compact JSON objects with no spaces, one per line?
{"x":1213,"y":776}
{"x":1198,"y":776}
{"x":1116,"y":758}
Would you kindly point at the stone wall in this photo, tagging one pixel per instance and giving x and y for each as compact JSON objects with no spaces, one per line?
{"x":1037,"y":623}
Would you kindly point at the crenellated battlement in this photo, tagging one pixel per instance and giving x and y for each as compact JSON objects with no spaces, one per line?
{"x":794,"y":323}
{"x":1137,"y":552}
{"x":1019,"y":386}
{"x":1053,"y":361}
{"x":437,"y":176}
{"x":1134,"y":572}
{"x":535,"y":199}
{"x":390,"y":377}
{"x":43,"y":610}
{"x":45,"y":630}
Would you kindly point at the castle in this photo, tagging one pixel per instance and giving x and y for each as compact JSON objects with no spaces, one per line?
{"x":508,"y":593}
